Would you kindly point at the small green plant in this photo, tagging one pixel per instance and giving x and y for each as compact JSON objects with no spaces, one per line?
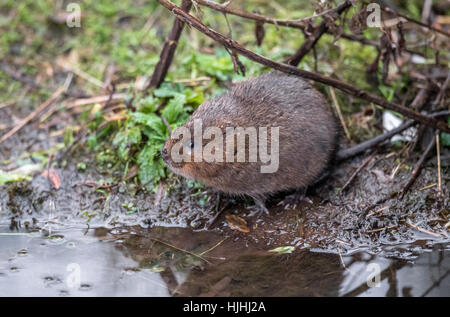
{"x":445,"y":137}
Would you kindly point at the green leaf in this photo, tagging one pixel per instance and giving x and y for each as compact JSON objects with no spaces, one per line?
{"x":68,"y":136}
{"x":124,"y":139}
{"x":219,"y":67}
{"x":283,"y":250}
{"x":174,"y":110}
{"x":92,"y":141}
{"x":151,"y":169}
{"x":150,"y":120}
{"x":11,"y":177}
{"x":194,"y":97}
{"x":445,"y":137}
{"x":153,"y":126}
{"x":165,"y":91}
{"x":147,"y":105}
{"x":387,"y":92}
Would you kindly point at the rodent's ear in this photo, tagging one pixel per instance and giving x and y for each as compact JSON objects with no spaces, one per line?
{"x":225,"y":125}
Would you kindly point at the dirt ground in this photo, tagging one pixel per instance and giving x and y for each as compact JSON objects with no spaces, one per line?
{"x":363,"y":217}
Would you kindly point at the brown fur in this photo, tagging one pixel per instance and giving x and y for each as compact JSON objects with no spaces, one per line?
{"x":307,"y":135}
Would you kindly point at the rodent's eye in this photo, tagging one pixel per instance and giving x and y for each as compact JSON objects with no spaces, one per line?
{"x":189,"y":147}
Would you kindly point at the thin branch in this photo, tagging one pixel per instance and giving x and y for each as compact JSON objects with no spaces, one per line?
{"x":314,"y":38}
{"x":441,"y":94}
{"x":288,"y":69}
{"x":33,"y":114}
{"x":180,"y":249}
{"x":298,"y":24}
{"x":416,"y":22}
{"x":356,"y":172}
{"x":365,"y":41}
{"x":415,"y":173}
{"x":437,"y":235}
{"x":363,"y":146}
{"x":97,"y":99}
{"x":438,"y":151}
{"x":168,"y":50}
{"x":339,"y":112}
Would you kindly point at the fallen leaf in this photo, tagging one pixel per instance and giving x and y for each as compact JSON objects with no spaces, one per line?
{"x":53,"y":177}
{"x":237,"y":223}
{"x":283,"y":250}
{"x":382,"y":177}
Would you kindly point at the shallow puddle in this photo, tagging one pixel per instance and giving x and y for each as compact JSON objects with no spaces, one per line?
{"x":131,"y":261}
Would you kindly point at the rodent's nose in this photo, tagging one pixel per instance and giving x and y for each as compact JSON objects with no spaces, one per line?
{"x":164,"y":154}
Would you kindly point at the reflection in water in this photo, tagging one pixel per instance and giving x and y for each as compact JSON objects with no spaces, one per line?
{"x":32,"y":265}
{"x":426,"y":276}
{"x":178,"y":262}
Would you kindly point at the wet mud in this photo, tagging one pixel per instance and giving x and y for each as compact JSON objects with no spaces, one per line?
{"x":180,"y":241}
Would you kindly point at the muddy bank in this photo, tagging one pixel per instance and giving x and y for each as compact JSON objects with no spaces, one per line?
{"x":363,"y":217}
{"x":329,"y":222}
{"x":181,"y":240}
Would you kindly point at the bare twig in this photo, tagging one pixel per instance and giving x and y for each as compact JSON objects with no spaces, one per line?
{"x":168,"y":50}
{"x":441,"y":94}
{"x":427,"y":187}
{"x":297,"y":24}
{"x":353,"y":176}
{"x":33,"y":114}
{"x":437,"y":235}
{"x":233,"y":45}
{"x":338,"y":110}
{"x":420,"y":99}
{"x":377,"y":211}
{"x":80,"y":73}
{"x":97,"y":99}
{"x":381,"y":229}
{"x":179,"y":249}
{"x":436,"y":283}
{"x":166,"y":123}
{"x":215,"y":246}
{"x":438,"y":151}
{"x":314,"y":38}
{"x":365,"y":41}
{"x":415,"y":173}
{"x":363,"y":146}
{"x":416,"y":22}
{"x":426,"y":11}
{"x":251,"y":16}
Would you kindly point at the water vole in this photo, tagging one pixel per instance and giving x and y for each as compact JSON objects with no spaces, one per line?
{"x":307,"y":136}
